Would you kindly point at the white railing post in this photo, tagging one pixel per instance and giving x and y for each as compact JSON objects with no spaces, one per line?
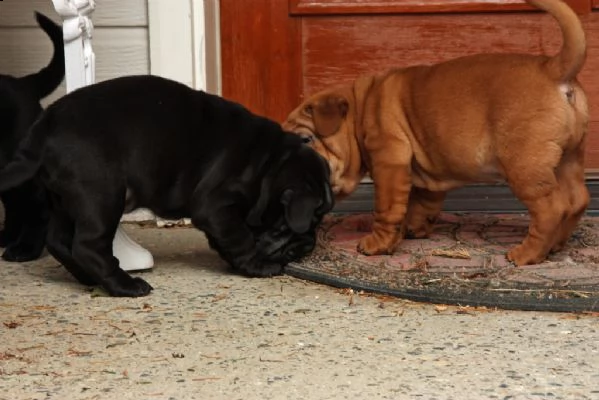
{"x":80,"y":64}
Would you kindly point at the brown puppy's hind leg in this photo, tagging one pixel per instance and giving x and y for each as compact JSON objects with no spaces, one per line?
{"x":423,"y":209}
{"x":570,"y":176}
{"x":536,"y":185}
{"x":546,"y":216}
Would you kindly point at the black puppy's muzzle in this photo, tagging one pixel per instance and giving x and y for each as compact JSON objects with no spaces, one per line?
{"x":298,"y":247}
{"x":283,"y":245}
{"x":272,"y":242}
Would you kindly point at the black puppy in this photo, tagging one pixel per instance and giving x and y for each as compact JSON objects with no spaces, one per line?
{"x":257,"y":192}
{"x":25,"y":208}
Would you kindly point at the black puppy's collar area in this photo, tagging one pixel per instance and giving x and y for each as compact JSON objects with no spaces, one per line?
{"x":265,"y":195}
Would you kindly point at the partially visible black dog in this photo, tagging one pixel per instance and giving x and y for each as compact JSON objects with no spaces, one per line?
{"x":257,"y":192}
{"x":25,"y":208}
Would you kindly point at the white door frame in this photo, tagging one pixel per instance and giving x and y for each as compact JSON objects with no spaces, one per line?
{"x":184,"y":40}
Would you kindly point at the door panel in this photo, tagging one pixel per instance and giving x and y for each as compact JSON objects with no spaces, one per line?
{"x":353,"y":45}
{"x":311,"y":7}
{"x":261,"y":55}
{"x":315,"y":7}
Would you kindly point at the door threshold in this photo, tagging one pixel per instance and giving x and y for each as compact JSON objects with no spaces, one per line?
{"x":486,"y":198}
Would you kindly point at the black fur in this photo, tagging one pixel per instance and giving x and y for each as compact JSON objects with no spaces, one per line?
{"x":257,"y":192}
{"x":25,"y":206}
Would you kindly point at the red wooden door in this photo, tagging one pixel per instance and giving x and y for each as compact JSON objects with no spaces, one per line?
{"x":275,"y":52}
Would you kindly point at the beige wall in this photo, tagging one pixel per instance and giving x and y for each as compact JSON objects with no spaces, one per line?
{"x":120,"y":38}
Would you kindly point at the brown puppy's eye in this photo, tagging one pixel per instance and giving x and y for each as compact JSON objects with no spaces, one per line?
{"x":307,"y":139}
{"x":309,"y":109}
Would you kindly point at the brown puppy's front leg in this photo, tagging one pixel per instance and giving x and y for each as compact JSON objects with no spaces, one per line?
{"x":392,"y":183}
{"x":423,"y":209}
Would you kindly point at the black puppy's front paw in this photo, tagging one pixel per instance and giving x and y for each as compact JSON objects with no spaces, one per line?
{"x":262,"y":269}
{"x":131,"y":287}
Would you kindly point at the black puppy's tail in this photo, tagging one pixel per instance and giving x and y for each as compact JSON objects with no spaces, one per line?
{"x":46,"y":80}
{"x":27,"y":161}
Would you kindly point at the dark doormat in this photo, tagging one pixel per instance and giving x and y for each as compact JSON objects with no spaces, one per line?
{"x":462,"y":263}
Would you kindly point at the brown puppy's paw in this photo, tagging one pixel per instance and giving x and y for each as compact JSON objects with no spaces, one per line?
{"x":418,"y":233}
{"x":370,"y":246}
{"x":420,"y":226}
{"x":558,"y":247}
{"x":520,"y":255}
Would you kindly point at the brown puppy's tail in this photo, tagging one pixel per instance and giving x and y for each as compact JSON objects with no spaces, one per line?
{"x":569,"y":61}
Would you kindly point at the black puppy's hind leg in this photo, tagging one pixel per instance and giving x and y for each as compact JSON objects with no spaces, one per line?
{"x":30,"y":244}
{"x":33,"y":215}
{"x":12,"y":226}
{"x":59,"y":243}
{"x":96,"y":220}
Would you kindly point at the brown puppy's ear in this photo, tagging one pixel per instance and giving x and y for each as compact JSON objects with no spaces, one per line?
{"x":328,"y":112}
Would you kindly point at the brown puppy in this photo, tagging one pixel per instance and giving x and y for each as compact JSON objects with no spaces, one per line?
{"x":423,"y":130}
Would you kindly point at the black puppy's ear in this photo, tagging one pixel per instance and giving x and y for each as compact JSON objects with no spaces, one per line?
{"x":299,"y":209}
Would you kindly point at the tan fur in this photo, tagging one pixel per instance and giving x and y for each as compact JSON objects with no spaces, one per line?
{"x":423,"y":130}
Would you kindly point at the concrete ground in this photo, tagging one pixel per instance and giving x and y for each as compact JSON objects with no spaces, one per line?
{"x":205,"y":333}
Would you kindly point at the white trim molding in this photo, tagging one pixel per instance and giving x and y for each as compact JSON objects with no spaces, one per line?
{"x":77,"y":27}
{"x":212,"y":59}
{"x":185,"y":42}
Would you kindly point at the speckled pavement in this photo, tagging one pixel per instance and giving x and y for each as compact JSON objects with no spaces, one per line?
{"x":205,"y":333}
{"x":462,"y":263}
